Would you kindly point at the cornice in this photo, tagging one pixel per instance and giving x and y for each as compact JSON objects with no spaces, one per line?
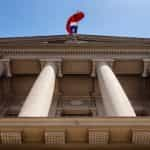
{"x":25,"y":122}
{"x":80,"y":52}
{"x":78,"y":40}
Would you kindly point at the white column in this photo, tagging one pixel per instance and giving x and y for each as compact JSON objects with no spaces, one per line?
{"x":116,"y":102}
{"x":39,"y":100}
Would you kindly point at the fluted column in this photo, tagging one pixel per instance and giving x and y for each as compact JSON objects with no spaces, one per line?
{"x":116,"y":102}
{"x":39,"y":100}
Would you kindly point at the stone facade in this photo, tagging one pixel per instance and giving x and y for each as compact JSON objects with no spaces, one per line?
{"x":73,"y":95}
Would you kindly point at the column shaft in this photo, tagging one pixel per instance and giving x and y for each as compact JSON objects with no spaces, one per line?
{"x":38,"y":102}
{"x":115,"y":100}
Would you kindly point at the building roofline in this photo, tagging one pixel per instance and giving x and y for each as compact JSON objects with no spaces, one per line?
{"x":79,"y":40}
{"x":78,"y":35}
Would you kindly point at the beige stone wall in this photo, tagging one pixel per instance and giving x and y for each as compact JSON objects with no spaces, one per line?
{"x":108,"y":133}
{"x":77,"y":82}
{"x":76,"y":66}
{"x":14,"y":92}
{"x":137,"y":89}
{"x":76,"y":86}
{"x":25,"y":66}
{"x":128,"y":67}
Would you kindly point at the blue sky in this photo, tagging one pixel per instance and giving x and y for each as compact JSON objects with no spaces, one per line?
{"x":48,"y":17}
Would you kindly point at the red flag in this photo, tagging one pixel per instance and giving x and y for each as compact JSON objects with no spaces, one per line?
{"x":74,"y":18}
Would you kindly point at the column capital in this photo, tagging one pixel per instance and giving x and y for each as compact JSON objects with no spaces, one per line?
{"x":146,"y":67}
{"x":96,"y":62}
{"x":7,"y":68}
{"x":57,"y":65}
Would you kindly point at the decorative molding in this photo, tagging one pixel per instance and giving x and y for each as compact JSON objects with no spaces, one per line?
{"x":93,"y":111}
{"x":57,"y":62}
{"x":146,"y":69}
{"x":59,"y":112}
{"x":100,"y":122}
{"x":141,"y":137}
{"x":7,"y":67}
{"x":78,"y":107}
{"x":98,"y":136}
{"x":53,"y":109}
{"x":55,"y":137}
{"x":2,"y":68}
{"x":82,"y":52}
{"x":74,"y":40}
{"x":93,"y":73}
{"x":13,"y":137}
{"x":95,"y":62}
